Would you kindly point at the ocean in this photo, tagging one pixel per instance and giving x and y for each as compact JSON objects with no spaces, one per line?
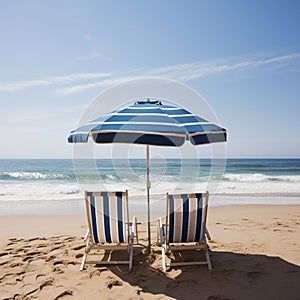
{"x":54,"y":186}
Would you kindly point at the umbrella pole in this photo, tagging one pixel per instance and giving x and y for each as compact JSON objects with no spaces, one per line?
{"x":148,"y":196}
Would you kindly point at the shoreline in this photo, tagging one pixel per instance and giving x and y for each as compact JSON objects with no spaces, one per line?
{"x":138,"y":204}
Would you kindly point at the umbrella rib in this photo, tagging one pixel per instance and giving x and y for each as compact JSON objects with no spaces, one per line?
{"x":135,"y":123}
{"x":151,"y":114}
{"x":80,"y":132}
{"x":206,"y":132}
{"x":196,"y":123}
{"x":154,"y":107}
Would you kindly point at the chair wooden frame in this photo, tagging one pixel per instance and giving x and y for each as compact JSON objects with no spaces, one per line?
{"x":177,"y":244}
{"x":91,"y":244}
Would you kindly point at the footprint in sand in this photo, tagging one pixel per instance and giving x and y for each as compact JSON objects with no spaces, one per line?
{"x":36,"y":238}
{"x":48,"y":281}
{"x":39,"y":275}
{"x":64,"y":263}
{"x":57,"y":270}
{"x":95,"y":273}
{"x":51,"y":257}
{"x":13,"y":240}
{"x":16,"y":264}
{"x":78,"y":247}
{"x":64,"y":293}
{"x":28,"y":258}
{"x":19,"y":254}
{"x":30,"y":290}
{"x":113,"y":282}
{"x":58,"y":262}
{"x":41,"y":246}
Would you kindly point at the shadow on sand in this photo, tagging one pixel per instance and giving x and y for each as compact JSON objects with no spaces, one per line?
{"x":234,"y":276}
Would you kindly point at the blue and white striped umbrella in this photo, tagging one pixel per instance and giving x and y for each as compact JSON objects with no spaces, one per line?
{"x":150,"y":123}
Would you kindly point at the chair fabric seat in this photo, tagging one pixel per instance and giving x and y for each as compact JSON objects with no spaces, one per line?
{"x":185,"y":227}
{"x":107,"y":213}
{"x":108,"y":226}
{"x":185,"y":218}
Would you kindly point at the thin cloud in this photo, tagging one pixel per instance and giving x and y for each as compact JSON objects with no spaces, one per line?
{"x":51,"y":80}
{"x":103,"y":83}
{"x":185,"y":72}
{"x":79,"y":82}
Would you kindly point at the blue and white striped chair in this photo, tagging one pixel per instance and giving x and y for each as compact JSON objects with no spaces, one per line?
{"x":185,"y":227}
{"x":108,"y":225}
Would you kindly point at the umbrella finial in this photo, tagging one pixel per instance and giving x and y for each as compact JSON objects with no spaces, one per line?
{"x":148,"y":101}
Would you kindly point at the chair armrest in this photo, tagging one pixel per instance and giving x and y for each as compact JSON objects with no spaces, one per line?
{"x":132,"y":227}
{"x":162,"y":231}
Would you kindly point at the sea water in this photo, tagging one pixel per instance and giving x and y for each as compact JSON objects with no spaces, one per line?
{"x":57,"y":185}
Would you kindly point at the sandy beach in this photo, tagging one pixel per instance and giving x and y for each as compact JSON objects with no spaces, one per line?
{"x":137,"y":106}
{"x":255,"y":251}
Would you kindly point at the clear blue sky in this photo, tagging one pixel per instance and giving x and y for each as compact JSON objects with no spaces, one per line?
{"x":242,"y":56}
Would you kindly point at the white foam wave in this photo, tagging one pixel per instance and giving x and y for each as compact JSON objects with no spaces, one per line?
{"x":260,"y":178}
{"x":67,"y":190}
{"x":111,"y":177}
{"x":32,"y":175}
{"x":23,"y":191}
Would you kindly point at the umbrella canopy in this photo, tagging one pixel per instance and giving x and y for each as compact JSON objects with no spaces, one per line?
{"x":150,"y":123}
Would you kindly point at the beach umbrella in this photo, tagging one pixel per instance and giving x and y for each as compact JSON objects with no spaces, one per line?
{"x":149,"y":122}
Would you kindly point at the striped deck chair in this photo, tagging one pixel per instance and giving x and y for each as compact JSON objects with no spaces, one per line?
{"x":185,"y":227}
{"x":108,"y":226}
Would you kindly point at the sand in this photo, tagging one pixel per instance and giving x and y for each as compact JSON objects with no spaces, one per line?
{"x":255,"y":253}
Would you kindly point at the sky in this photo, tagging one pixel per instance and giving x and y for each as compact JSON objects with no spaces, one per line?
{"x":243,"y":57}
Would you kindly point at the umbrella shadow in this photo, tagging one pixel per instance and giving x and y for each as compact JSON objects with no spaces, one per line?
{"x":234,"y":276}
